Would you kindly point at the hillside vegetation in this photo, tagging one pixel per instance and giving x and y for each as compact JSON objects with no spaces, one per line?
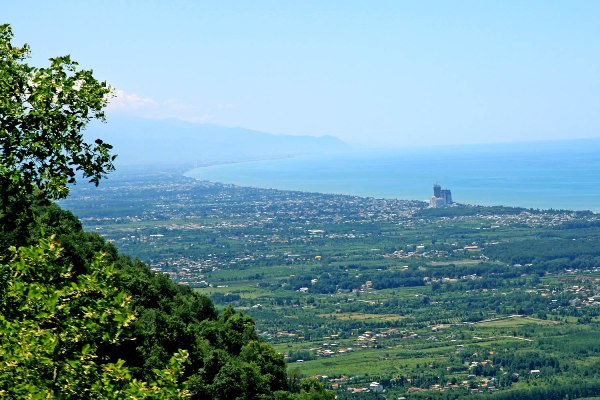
{"x":78,"y":320}
{"x":77,"y":317}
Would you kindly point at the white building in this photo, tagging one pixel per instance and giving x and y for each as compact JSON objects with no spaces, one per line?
{"x":376,"y":387}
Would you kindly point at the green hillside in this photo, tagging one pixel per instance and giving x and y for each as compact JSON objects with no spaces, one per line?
{"x":78,"y":320}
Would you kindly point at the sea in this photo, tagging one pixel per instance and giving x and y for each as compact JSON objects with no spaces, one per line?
{"x":540,"y":175}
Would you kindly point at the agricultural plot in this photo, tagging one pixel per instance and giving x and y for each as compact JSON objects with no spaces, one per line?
{"x":447,"y":303}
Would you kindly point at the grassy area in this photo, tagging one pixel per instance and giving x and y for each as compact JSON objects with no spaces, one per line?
{"x":364,"y":316}
{"x":514,"y":321}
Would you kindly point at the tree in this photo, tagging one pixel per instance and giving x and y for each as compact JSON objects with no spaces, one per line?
{"x":314,"y":390}
{"x":43,"y":112}
{"x":270,"y":363}
{"x":52,"y":323}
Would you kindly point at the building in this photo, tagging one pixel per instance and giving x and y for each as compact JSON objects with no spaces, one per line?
{"x":441,"y":197}
{"x":446,"y":194}
{"x":376,"y":387}
{"x":437,"y":202}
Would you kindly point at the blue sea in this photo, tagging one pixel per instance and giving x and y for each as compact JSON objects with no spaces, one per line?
{"x":544,"y":175}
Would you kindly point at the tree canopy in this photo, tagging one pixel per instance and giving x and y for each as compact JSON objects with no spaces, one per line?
{"x":43,"y":112}
{"x":52,"y":323}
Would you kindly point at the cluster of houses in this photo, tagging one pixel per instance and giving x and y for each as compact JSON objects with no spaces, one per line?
{"x":335,"y":384}
{"x":374,"y":387}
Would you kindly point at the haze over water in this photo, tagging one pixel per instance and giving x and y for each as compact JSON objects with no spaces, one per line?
{"x":559,"y":175}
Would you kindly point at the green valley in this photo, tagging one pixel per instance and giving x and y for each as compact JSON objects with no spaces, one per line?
{"x":377,"y":298}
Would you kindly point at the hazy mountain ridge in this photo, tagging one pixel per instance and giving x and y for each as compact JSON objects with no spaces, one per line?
{"x":145,"y":141}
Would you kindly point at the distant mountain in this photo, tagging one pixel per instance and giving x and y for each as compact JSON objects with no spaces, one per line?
{"x":139,"y":141}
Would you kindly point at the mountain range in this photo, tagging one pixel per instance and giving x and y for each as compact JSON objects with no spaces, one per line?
{"x":140,"y":141}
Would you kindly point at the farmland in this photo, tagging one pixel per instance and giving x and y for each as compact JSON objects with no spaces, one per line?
{"x":442,"y":303}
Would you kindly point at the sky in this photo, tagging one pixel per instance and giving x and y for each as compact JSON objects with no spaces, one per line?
{"x":373,"y":73}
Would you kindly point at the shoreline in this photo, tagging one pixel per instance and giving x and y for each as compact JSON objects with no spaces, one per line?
{"x":529,"y":179}
{"x":457,"y":204}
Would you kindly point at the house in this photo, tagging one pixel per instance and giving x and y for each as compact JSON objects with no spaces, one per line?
{"x":376,"y":387}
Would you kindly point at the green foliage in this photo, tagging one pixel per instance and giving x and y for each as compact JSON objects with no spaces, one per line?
{"x":462,"y":210}
{"x":76,"y":319}
{"x":314,"y":390}
{"x":550,"y":254}
{"x":169,"y":318}
{"x":226,"y":358}
{"x":41,"y":219}
{"x":270,"y":363}
{"x":52,"y":323}
{"x":42,"y":114}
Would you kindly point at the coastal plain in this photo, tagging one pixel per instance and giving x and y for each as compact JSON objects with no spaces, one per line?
{"x":427,"y":303}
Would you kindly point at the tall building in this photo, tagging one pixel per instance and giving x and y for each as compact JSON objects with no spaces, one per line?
{"x":446,"y":194}
{"x":441,"y":197}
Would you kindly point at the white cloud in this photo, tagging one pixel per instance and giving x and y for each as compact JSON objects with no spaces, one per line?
{"x":147,"y":107}
{"x":129,"y":101}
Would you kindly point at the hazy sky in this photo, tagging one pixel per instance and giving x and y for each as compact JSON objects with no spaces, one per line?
{"x":378,"y":72}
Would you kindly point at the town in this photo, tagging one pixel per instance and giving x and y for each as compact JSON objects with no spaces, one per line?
{"x":373,"y":295}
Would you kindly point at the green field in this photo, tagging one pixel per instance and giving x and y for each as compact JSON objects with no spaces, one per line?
{"x":364,"y":290}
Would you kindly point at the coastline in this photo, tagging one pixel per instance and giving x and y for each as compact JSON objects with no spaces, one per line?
{"x":529,"y":179}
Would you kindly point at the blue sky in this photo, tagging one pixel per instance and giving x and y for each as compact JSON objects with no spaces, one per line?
{"x":377,"y":73}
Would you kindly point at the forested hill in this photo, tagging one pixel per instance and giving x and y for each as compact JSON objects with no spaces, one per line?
{"x":176,"y":142}
{"x":72,"y":323}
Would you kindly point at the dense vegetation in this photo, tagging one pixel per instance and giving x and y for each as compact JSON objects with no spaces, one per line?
{"x":137,"y":317}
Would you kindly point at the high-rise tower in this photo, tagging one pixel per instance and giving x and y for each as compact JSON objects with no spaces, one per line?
{"x":446,"y":194}
{"x":441,"y":197}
